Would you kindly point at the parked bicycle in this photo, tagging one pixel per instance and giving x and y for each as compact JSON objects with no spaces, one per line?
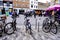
{"x":12,"y":26}
{"x":28,"y":26}
{"x":49,"y":25}
{"x":3,"y":26}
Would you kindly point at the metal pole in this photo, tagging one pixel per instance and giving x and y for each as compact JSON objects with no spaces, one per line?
{"x":38,"y":26}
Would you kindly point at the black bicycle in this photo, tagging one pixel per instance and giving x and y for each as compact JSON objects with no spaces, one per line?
{"x":11,"y":26}
{"x":49,"y":25}
{"x":4,"y":28}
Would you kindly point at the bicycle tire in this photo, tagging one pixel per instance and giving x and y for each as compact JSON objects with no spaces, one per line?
{"x":46,"y":25}
{"x":46,"y":28}
{"x":6,"y":30}
{"x":54,"y":29}
{"x":1,"y":31}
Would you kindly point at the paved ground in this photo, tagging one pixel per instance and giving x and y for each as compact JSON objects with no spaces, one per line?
{"x":21,"y":34}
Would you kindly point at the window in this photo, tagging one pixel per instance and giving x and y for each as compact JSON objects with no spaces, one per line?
{"x":31,"y":6}
{"x":31,"y":1}
{"x":36,"y":6}
{"x":36,"y":0}
{"x":36,"y":3}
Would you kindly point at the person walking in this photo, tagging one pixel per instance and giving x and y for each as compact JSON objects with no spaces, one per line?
{"x":28,"y":25}
{"x":14,"y":16}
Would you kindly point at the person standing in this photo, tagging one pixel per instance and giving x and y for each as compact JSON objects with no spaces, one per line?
{"x":7,"y":13}
{"x":14,"y":14}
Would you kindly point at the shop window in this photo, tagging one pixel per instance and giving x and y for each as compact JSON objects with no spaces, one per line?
{"x":21,"y":11}
{"x":36,"y":6}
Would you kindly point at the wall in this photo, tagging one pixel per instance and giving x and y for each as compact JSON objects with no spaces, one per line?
{"x":42,"y":6}
{"x":34,"y":3}
{"x":20,"y":4}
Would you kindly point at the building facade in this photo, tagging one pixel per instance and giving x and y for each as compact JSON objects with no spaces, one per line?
{"x":21,"y":5}
{"x":6,"y":5}
{"x":53,"y":2}
{"x":33,"y":4}
{"x":57,"y":1}
{"x":1,"y":6}
{"x":43,"y":6}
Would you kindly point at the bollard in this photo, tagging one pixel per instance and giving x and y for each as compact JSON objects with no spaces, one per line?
{"x":38,"y":26}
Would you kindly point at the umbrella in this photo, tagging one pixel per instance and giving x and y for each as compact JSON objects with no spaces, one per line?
{"x":56,"y":7}
{"x":50,"y":8}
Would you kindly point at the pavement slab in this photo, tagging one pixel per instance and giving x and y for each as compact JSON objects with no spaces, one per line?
{"x":21,"y":34}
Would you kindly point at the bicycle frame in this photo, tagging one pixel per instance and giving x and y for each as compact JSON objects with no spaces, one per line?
{"x":14,"y":23}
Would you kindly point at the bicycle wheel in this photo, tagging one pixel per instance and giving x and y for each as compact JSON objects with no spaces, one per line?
{"x":1,"y":31}
{"x":46,"y":26}
{"x":9,"y":29}
{"x":54,"y":28}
